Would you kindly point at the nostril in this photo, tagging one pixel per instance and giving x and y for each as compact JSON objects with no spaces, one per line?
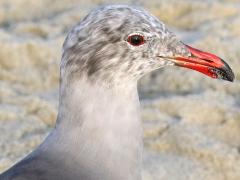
{"x":208,"y":60}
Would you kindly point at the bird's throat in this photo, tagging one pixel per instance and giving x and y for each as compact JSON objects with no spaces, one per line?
{"x":101,"y":129}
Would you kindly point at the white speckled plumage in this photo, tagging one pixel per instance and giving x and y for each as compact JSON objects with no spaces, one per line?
{"x":98,"y":135}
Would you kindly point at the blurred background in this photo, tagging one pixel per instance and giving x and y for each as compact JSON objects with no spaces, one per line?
{"x":191,"y":122}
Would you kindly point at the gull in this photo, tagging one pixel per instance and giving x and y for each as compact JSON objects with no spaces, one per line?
{"x":98,"y":132}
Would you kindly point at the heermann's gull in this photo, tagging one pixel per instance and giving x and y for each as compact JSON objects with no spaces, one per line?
{"x":98,"y":134}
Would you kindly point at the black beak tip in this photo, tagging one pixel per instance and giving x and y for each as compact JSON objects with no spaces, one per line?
{"x":229,"y":77}
{"x":226,"y":72}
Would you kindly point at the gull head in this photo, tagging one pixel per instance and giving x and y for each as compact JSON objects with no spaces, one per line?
{"x":120,"y":43}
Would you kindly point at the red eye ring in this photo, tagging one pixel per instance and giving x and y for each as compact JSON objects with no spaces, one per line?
{"x":136,"y":40}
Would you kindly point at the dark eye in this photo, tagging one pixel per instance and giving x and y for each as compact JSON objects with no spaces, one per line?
{"x":135,"y":40}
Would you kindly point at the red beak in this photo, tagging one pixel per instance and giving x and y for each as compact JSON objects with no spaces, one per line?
{"x":206,"y":63}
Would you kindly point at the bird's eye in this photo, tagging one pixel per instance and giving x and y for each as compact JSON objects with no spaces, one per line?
{"x":136,"y":40}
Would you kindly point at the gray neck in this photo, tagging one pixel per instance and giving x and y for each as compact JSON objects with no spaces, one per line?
{"x":99,"y":129}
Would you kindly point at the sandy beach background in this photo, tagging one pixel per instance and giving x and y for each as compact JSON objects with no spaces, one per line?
{"x":191,"y":122}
